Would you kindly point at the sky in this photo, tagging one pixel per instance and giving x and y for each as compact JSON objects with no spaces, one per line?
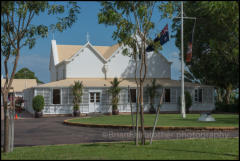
{"x":37,"y":59}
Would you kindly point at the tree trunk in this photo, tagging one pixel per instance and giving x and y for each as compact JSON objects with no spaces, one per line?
{"x":228,"y":94}
{"x":6,"y":147}
{"x":141,"y":114}
{"x":220,"y":94}
{"x":137,"y":111}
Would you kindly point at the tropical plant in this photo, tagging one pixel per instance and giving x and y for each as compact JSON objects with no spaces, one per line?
{"x":77,"y":90}
{"x":38,"y":103}
{"x":152,"y":92}
{"x":115,"y":90}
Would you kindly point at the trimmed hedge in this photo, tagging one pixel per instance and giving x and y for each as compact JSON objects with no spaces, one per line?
{"x":38,"y":103}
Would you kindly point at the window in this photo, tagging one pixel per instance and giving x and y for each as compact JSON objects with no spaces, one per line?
{"x":56,"y":96}
{"x":167,"y":95}
{"x":98,"y":97}
{"x":91,"y":97}
{"x":198,"y":95}
{"x":133,"y":95}
{"x":95,"y":97}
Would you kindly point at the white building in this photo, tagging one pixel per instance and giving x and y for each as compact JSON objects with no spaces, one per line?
{"x":96,"y":66}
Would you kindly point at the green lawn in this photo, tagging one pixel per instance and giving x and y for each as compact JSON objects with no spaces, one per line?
{"x":224,"y":120}
{"x":164,"y":149}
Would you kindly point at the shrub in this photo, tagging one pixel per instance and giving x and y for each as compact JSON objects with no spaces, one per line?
{"x":38,"y":103}
{"x":223,"y":107}
{"x":188,"y":101}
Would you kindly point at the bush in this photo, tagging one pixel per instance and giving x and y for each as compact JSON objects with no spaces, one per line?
{"x":38,"y":103}
{"x":188,"y":101}
{"x":223,"y":107}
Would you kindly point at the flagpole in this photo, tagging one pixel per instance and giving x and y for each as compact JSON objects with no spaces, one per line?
{"x":182,"y":66}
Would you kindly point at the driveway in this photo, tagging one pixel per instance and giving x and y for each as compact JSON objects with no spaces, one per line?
{"x":50,"y":131}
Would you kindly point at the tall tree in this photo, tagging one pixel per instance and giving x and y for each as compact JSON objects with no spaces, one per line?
{"x":133,"y":22}
{"x":18,"y":31}
{"x":215,"y":58}
{"x":25,"y":73}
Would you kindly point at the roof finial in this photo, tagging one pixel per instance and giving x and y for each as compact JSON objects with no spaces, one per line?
{"x":87,"y":37}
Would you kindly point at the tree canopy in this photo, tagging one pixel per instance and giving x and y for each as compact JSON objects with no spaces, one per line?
{"x":215,"y":50}
{"x":25,"y":73}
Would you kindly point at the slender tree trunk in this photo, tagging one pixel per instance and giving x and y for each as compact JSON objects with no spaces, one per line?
{"x":8,"y":83}
{"x":137,"y":106}
{"x":137,"y":102}
{"x":228,"y":94}
{"x":6,"y":147}
{"x":220,"y":94}
{"x":142,"y":114}
{"x":157,"y":114}
{"x":129,"y":96}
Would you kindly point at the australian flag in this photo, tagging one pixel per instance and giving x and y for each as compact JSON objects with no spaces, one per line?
{"x":163,"y":38}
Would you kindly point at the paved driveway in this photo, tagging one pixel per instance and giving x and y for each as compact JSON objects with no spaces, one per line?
{"x":49,"y":131}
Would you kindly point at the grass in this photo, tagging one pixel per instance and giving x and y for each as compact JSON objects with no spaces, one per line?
{"x":164,"y":149}
{"x":222,"y":120}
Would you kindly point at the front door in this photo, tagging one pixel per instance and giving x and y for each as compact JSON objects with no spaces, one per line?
{"x":94,"y":101}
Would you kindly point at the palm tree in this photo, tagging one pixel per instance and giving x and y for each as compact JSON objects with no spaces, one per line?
{"x":115,"y":90}
{"x":152,"y":92}
{"x":77,"y":97}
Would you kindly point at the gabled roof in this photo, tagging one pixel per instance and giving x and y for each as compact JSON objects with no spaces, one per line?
{"x":67,"y":51}
{"x":19,"y":84}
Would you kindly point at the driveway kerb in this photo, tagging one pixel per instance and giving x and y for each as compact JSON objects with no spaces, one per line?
{"x":67,"y":122}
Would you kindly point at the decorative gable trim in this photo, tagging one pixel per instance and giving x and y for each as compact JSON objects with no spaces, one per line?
{"x":115,"y":53}
{"x":87,"y":45}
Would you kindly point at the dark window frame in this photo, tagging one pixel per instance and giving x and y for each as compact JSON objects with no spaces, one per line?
{"x":132,"y":93}
{"x":167,"y":95}
{"x":198,"y":95}
{"x":56,"y":96}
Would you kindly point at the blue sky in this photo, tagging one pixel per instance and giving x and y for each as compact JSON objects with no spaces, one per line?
{"x":37,"y":59}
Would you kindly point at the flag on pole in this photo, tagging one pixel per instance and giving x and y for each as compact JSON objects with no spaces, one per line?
{"x":189,"y":52}
{"x":164,"y":37}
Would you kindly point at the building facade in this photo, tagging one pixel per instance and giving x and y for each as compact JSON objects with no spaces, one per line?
{"x":96,"y":66}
